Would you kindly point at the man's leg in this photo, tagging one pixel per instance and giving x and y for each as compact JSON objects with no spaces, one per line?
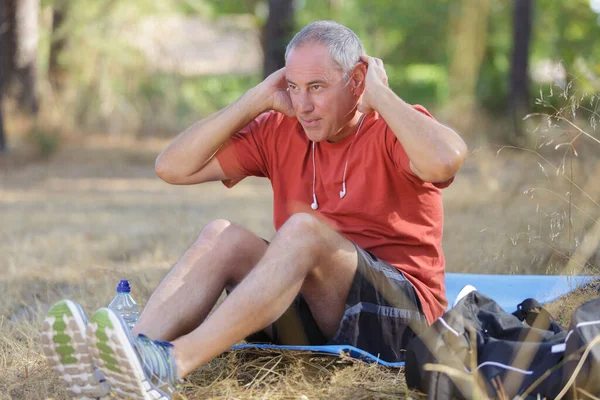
{"x":222,"y":255}
{"x":306,"y":255}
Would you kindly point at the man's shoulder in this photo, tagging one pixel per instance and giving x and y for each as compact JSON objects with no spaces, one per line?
{"x":375,"y":124}
{"x":278,"y":131}
{"x":275,"y":120}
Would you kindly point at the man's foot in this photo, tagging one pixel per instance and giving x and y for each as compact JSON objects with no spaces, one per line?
{"x":135,"y":368}
{"x":65,"y":348}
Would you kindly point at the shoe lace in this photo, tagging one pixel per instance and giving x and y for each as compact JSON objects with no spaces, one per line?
{"x":157,"y":359}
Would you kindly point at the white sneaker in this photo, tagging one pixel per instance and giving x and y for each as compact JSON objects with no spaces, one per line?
{"x":136,"y":368}
{"x":463,"y":292}
{"x":65,"y":347}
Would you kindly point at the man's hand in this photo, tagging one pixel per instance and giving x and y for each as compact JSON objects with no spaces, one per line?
{"x":375,"y":80}
{"x":275,"y":90}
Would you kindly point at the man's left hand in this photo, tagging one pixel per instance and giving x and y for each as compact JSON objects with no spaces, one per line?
{"x":375,"y":80}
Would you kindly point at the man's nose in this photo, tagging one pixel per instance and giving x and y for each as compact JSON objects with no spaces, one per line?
{"x":305,"y":104}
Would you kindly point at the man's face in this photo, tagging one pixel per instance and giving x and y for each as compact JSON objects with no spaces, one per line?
{"x":323,"y":100}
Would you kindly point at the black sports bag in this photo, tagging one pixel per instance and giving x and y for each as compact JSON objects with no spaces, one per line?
{"x":583,"y":336}
{"x":477,"y":340}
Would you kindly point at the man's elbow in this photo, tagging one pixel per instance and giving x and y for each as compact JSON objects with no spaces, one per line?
{"x":164,"y":171}
{"x":446,"y":167}
{"x":451,"y":164}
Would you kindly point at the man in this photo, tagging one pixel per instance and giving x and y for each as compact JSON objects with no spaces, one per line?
{"x":357,"y":258}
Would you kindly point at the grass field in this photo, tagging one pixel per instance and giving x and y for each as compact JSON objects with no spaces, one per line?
{"x":94,"y":213}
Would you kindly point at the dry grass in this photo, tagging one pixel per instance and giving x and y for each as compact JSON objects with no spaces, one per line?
{"x":562,"y":309}
{"x":252,"y":374}
{"x":94,"y":213}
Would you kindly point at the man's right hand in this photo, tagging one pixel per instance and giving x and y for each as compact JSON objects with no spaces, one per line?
{"x":275,"y":88}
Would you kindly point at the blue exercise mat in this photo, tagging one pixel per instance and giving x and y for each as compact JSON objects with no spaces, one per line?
{"x":510,"y":290}
{"x":506,"y":290}
{"x":327,"y":349}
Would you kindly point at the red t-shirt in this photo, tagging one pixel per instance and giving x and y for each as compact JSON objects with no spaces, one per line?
{"x":387,"y":210}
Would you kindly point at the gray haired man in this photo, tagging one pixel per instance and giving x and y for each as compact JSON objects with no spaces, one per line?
{"x":357,"y":175}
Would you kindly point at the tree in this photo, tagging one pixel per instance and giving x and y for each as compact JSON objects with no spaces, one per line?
{"x":7,"y":56}
{"x":469,"y":28}
{"x":519,"y":82}
{"x":57,"y":45}
{"x":27,"y":36}
{"x":276,"y":34}
{"x":19,"y":37}
{"x":2,"y":137}
{"x":18,"y":54}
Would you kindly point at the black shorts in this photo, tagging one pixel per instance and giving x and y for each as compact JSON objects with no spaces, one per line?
{"x":382,"y":313}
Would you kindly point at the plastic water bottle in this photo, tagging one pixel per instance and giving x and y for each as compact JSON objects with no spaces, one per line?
{"x":124,"y":304}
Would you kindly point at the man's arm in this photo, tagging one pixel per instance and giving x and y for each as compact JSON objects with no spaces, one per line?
{"x":189,"y":159}
{"x":435,"y":151}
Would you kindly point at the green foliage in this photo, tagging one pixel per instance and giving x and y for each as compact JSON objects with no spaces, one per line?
{"x":169,"y":101}
{"x":405,"y":34}
{"x":45,"y":142}
{"x":220,"y":7}
{"x":494,"y":77}
{"x":111,"y":86}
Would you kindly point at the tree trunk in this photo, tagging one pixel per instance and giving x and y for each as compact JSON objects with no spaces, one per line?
{"x":2,"y":137}
{"x":27,"y":36}
{"x":468,"y":40}
{"x":7,"y":55}
{"x":55,"y":72}
{"x":277,"y":33}
{"x":519,"y":82}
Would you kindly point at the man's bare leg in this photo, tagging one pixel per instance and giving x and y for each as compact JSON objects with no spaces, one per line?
{"x":306,"y":255}
{"x":222,"y":255}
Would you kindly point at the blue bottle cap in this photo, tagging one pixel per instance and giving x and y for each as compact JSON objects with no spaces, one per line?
{"x":123,"y":286}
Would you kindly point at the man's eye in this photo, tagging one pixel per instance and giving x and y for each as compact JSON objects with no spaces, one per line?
{"x":317,"y":87}
{"x":291,"y":87}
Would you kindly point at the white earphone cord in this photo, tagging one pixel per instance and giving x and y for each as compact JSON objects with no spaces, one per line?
{"x":315,"y":205}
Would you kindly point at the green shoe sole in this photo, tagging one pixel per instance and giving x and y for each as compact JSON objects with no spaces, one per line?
{"x":64,"y":345}
{"x":112,"y":349}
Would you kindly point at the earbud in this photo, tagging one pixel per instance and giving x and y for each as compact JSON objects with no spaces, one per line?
{"x":343,"y":191}
{"x":314,"y":204}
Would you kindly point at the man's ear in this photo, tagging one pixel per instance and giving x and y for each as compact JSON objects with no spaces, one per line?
{"x":359,"y":73}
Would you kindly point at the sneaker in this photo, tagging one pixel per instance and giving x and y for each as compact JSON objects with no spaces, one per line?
{"x":463,"y":292}
{"x":135,"y":368}
{"x":64,"y":345}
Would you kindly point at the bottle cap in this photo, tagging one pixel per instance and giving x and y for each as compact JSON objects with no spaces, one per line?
{"x":123,"y":286}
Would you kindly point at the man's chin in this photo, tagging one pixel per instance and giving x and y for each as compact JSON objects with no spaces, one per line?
{"x":316,"y":138}
{"x":315,"y":135}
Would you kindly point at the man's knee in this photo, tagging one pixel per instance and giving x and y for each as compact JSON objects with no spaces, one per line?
{"x":306,"y":232}
{"x":224,"y":231}
{"x":228,"y":238}
{"x":233,"y":249}
{"x":214,"y":229}
{"x":302,"y":224}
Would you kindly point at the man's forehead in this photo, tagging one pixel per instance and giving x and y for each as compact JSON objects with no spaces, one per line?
{"x":311,"y":62}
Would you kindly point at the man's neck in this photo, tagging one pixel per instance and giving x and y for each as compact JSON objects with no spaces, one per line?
{"x":348,"y":129}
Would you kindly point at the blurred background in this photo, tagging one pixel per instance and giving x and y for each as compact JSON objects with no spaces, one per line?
{"x":92,"y":91}
{"x":146,"y":68}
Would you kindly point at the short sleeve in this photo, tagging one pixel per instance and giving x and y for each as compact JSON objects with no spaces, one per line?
{"x":401,"y":159}
{"x":246,"y":153}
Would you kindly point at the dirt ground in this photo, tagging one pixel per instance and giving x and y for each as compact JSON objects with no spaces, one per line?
{"x":73,"y":225}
